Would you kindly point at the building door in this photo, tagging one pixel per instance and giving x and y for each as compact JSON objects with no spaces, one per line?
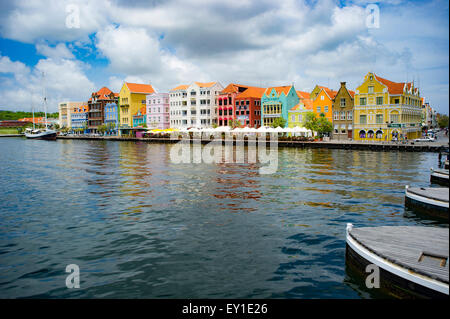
{"x":350,"y":133}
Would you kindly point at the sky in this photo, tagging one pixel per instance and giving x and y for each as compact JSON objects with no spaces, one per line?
{"x":81,"y":46}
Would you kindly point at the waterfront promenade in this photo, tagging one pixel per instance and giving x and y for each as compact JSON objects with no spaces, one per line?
{"x":439,"y":145}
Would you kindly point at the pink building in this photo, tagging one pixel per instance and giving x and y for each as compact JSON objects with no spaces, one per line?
{"x":158,"y":111}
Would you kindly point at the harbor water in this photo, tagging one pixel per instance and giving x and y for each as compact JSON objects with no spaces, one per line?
{"x":140,"y":226}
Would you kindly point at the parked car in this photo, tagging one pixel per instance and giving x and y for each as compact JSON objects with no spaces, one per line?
{"x":425,"y":139}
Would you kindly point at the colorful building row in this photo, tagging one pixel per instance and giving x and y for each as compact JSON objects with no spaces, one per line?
{"x":378,"y":109}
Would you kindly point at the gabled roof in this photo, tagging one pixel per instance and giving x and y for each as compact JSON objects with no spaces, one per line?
{"x":393,"y":87}
{"x":180,"y":87}
{"x":252,"y":91}
{"x":308,"y":104}
{"x":303,"y":95}
{"x":142,"y":110}
{"x":279,"y":90}
{"x":299,"y":106}
{"x":331,"y":93}
{"x":140,"y":88}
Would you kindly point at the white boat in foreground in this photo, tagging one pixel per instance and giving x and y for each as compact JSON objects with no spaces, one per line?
{"x":412,"y":260}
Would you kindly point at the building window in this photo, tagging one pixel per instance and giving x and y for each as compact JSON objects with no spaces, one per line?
{"x":363,"y":119}
{"x":319,"y":109}
{"x":343,"y":115}
{"x":362,"y":101}
{"x":349,"y":115}
{"x":379,"y":100}
{"x":293,"y":118}
{"x":342,"y":102}
{"x":394,"y":118}
{"x":379,"y":118}
{"x":370,"y":89}
{"x":336,"y":116}
{"x":325,"y":109}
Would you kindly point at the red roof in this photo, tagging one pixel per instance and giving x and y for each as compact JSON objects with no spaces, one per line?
{"x":393,"y":87}
{"x":140,"y":88}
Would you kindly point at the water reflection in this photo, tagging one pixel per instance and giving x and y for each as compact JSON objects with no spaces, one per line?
{"x":139,"y":225}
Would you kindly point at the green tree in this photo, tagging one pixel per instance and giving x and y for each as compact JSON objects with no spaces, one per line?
{"x":443,"y":121}
{"x":234,"y":123}
{"x":279,"y":121}
{"x":323,"y":125}
{"x":214,"y":125}
{"x":310,"y":121}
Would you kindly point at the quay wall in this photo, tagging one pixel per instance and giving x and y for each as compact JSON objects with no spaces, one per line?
{"x":388,"y":146}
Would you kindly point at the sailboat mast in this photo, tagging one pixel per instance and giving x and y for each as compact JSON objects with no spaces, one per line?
{"x":32,"y":110}
{"x":45,"y":100}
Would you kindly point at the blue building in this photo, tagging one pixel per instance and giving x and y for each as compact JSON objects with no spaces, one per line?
{"x":79,"y":118}
{"x":111,"y":118}
{"x":276,"y":102}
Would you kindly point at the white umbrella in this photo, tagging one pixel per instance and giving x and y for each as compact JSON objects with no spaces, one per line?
{"x":222,"y":129}
{"x":262,"y":129}
{"x":279,"y":129}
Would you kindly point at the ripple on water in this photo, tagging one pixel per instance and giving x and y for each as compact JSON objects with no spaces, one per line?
{"x":140,"y":226}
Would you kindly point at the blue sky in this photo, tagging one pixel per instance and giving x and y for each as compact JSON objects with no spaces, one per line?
{"x":254,"y":42}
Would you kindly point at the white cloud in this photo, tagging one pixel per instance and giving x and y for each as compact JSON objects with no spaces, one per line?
{"x":256,"y":42}
{"x":64,"y":80}
{"x":60,"y":51}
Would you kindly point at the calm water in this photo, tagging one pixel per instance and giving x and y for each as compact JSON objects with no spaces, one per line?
{"x":139,"y":226}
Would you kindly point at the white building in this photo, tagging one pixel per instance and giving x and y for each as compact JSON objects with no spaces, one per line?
{"x":194,"y":105}
{"x":65,"y":112}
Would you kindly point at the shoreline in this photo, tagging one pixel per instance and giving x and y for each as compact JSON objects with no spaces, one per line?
{"x":348,"y":145}
{"x":384,"y":146}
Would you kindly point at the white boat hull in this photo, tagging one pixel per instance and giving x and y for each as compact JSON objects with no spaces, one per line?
{"x":45,"y":135}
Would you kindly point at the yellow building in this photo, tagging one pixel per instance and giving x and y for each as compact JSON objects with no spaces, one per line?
{"x":132,"y":97}
{"x":386,"y":110}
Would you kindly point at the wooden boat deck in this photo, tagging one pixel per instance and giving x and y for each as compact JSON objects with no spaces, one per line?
{"x":421,"y":250}
{"x":436,"y":193}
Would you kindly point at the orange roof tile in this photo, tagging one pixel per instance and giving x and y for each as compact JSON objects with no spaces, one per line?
{"x":308,"y":104}
{"x":393,"y":87}
{"x":299,"y":106}
{"x":330,"y":93}
{"x":233,"y":88}
{"x":252,"y":91}
{"x":208,"y":84}
{"x":140,"y":88}
{"x":180,"y":87}
{"x":303,"y":95}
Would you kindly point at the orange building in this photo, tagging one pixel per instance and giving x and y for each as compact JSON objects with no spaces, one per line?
{"x":322,"y":101}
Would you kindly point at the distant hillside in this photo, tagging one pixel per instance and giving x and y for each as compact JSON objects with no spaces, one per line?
{"x":10,"y":115}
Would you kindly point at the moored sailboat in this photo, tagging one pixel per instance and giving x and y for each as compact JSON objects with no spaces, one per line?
{"x":46,"y":134}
